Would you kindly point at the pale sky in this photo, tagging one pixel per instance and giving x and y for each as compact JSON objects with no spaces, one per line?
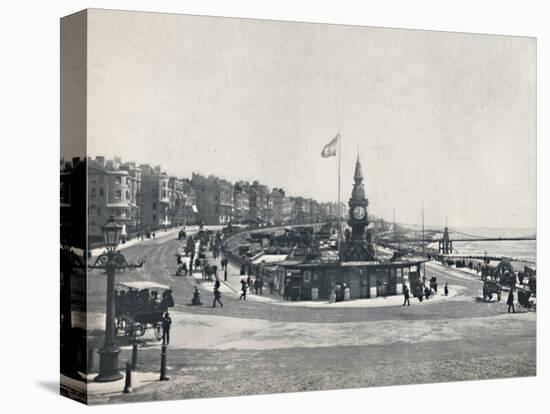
{"x":446,"y":119}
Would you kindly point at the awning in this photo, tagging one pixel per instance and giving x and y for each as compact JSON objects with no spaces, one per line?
{"x":270,"y":258}
{"x":143,"y":285}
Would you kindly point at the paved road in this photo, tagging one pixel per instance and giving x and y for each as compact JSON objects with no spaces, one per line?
{"x":217,"y":352}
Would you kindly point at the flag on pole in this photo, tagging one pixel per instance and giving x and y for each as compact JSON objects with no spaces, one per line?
{"x":329,"y":150}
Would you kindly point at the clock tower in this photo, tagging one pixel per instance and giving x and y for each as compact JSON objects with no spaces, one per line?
{"x":358,"y":203}
{"x":359,"y":246}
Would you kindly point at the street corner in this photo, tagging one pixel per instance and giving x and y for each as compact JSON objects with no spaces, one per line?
{"x":99,"y":390}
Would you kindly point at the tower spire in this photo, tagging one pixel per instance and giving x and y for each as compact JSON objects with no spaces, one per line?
{"x":358,"y":175}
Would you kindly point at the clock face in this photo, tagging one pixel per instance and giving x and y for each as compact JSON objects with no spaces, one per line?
{"x":359,"y":212}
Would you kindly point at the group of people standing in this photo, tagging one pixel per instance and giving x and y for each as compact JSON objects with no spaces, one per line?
{"x":422,"y":292}
{"x":248,"y":285}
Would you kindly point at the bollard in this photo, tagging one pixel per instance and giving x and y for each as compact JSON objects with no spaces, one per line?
{"x":134,"y":355}
{"x":128,"y":379}
{"x":90,"y":360}
{"x":163,"y":376}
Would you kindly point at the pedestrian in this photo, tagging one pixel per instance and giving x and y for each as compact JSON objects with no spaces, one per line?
{"x":196,"y":300}
{"x":510,"y":301}
{"x":261,"y":286}
{"x":243,"y":269}
{"x":167,"y":299}
{"x":427,"y":292}
{"x":286,"y":291}
{"x":217,"y":297}
{"x":256,"y":286}
{"x":154,"y":235}
{"x":166,"y":323}
{"x":271,"y":287}
{"x":225,"y":274}
{"x":217,"y":283}
{"x":446,"y":289}
{"x":243,"y":290}
{"x":406,"y":295}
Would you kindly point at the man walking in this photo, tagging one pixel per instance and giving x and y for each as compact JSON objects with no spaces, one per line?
{"x":406,"y":295}
{"x":166,"y":323}
{"x":510,"y":301}
{"x":191,"y":262}
{"x":446,"y":290}
{"x":217,"y":296}
{"x":243,"y":290}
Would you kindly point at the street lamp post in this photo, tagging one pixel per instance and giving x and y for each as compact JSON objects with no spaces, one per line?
{"x":110,"y":261}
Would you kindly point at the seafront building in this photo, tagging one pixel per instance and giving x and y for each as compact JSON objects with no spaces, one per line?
{"x":112,"y":192}
{"x":258,"y":196}
{"x":155,"y":206}
{"x":281,"y":206}
{"x":144,"y":198}
{"x":215,"y":199}
{"x":241,"y":202}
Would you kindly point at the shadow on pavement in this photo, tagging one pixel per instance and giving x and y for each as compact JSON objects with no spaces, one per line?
{"x":51,"y":386}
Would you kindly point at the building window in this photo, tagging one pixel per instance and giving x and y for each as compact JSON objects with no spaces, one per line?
{"x":154,"y":217}
{"x":118,"y":195}
{"x":92,"y":192}
{"x":92,"y":208}
{"x":118,"y":179}
{"x":127,"y":195}
{"x":99,"y":211}
{"x":154,"y":206}
{"x":101,"y":192}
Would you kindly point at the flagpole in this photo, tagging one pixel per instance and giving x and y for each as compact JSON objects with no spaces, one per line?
{"x":339,"y":213}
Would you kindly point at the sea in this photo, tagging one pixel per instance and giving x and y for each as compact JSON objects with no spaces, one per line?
{"x":521,"y":249}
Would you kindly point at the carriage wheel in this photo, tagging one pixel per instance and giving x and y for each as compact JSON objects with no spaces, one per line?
{"x":139,"y":329}
{"x":158,"y":331}
{"x":129,"y":329}
{"x":120,"y":324}
{"x":133,"y":329}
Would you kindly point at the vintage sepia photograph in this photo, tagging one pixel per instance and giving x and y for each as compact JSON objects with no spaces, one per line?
{"x":256,"y":206}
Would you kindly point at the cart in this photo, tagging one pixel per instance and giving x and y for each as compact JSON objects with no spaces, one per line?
{"x":140,"y":306}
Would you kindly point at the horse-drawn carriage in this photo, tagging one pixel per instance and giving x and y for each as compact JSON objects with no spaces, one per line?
{"x":140,"y":306}
{"x":491,"y":287}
